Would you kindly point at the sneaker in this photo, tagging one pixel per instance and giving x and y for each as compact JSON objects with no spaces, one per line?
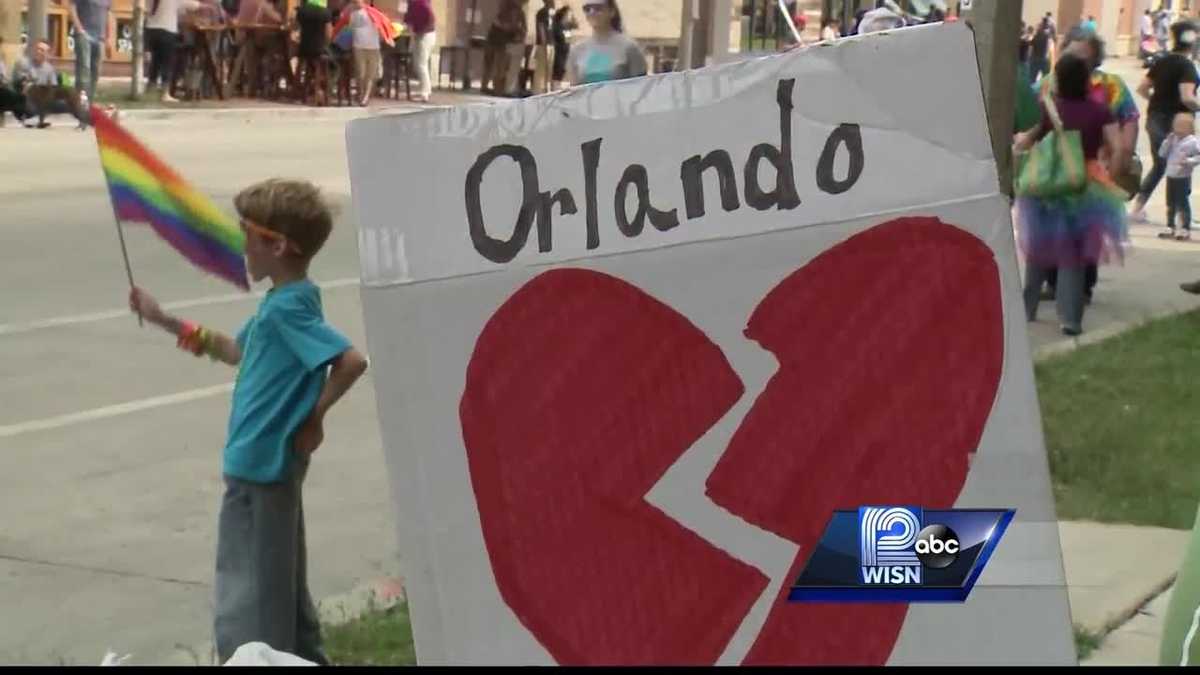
{"x":167,"y":98}
{"x":1168,"y":234}
{"x":43,"y":125}
{"x":1071,"y":331}
{"x":1186,"y":235}
{"x":1192,"y":287}
{"x":1137,"y":216}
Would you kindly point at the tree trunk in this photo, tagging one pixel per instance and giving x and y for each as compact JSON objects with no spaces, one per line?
{"x":997,"y":26}
{"x":137,"y":83}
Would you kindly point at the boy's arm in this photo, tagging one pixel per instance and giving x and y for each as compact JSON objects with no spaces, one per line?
{"x":346,"y":370}
{"x":221,"y":346}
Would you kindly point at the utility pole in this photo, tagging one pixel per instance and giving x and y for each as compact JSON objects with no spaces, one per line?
{"x":690,"y":15}
{"x":137,"y":84}
{"x":37,"y":23}
{"x":997,"y":27}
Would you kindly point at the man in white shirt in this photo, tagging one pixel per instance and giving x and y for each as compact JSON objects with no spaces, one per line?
{"x":367,"y":59}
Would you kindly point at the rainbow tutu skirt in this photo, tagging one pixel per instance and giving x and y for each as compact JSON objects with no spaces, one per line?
{"x":1085,"y":228}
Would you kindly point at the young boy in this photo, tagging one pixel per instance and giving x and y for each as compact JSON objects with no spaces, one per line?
{"x":1182,"y":152}
{"x":280,"y":400}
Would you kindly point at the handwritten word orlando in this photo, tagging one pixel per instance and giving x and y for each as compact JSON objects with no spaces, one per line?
{"x":538,"y":205}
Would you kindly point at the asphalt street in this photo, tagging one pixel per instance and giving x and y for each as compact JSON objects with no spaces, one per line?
{"x":110,"y":438}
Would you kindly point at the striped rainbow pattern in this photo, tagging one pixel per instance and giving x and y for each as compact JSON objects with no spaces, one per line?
{"x":145,"y":190}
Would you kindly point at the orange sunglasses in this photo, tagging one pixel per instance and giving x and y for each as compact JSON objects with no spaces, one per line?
{"x":251,"y":226}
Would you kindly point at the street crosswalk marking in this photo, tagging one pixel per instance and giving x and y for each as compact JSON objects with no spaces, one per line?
{"x":91,"y":317}
{"x":104,"y":412}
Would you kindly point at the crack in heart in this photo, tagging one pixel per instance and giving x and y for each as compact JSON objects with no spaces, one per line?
{"x":583,"y":390}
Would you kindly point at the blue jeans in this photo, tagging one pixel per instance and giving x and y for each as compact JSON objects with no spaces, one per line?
{"x":261,"y":583}
{"x":88,"y":57}
{"x":1179,"y":192}
{"x":1158,"y":125}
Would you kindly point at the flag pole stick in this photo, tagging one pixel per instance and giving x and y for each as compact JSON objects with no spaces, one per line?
{"x":125,"y":255}
{"x":787,"y":16}
{"x":117,"y":219}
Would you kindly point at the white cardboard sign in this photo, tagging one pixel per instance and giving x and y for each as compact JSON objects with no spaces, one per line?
{"x":634,"y":342}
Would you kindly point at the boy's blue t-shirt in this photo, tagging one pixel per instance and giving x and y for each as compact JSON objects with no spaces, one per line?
{"x":286,"y":347}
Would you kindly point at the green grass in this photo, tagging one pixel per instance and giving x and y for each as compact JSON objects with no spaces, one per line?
{"x":1086,"y":642}
{"x":1122,"y":429}
{"x":377,"y":638}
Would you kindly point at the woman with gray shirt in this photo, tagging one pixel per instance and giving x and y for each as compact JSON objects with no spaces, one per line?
{"x":609,"y":54}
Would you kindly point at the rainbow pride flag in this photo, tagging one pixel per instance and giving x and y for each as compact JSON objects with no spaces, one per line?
{"x":145,"y":190}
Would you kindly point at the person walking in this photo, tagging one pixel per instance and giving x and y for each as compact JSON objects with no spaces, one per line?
{"x":563,"y":28}
{"x":1042,"y":48}
{"x":1076,"y":229}
{"x":90,"y":19}
{"x":1170,"y":88}
{"x":422,"y":25}
{"x":162,"y":40}
{"x":505,"y":42}
{"x":314,"y":19}
{"x":543,"y":38}
{"x":1162,"y":32}
{"x":1111,"y":90}
{"x":608,"y":54}
{"x":367,"y":59}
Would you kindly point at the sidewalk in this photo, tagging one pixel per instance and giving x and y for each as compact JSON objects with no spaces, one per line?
{"x":248,"y":109}
{"x":379,"y":594}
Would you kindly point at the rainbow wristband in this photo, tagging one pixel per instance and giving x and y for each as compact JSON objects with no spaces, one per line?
{"x":192,"y":338}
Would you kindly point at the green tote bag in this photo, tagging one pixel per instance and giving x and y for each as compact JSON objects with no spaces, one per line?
{"x":1054,"y":167}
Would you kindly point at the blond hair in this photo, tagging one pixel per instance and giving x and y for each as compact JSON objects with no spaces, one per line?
{"x":293,"y":208}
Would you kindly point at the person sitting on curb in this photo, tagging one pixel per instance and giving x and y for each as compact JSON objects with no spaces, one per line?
{"x":11,"y":98}
{"x":43,"y":89}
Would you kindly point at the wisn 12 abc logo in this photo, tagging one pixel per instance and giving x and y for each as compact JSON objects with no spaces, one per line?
{"x":901,"y":554}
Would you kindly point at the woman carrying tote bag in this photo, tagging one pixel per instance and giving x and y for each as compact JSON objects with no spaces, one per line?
{"x":1070,"y":228}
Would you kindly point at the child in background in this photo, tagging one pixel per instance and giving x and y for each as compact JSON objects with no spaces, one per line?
{"x":282,"y":394}
{"x":1182,"y":151}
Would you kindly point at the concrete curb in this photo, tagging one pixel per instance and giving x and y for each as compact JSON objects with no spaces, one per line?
{"x":379,"y":594}
{"x":253,"y":114}
{"x":1092,"y":337}
{"x":1118,"y":619}
{"x":1107,"y":581}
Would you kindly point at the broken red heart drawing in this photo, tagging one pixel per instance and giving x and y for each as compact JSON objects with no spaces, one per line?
{"x":583,"y":390}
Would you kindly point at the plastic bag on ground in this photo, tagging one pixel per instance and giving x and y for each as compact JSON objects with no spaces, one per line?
{"x":261,"y":654}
